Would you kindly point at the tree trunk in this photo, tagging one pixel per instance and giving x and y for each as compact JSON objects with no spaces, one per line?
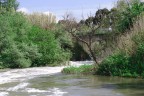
{"x":92,"y":54}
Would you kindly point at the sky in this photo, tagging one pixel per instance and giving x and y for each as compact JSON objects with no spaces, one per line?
{"x":78,"y":8}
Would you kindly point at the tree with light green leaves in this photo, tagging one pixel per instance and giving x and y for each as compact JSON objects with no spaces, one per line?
{"x":16,"y":50}
{"x":8,"y":5}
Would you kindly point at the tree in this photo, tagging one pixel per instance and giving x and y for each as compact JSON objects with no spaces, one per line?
{"x":89,"y":29}
{"x":8,"y":5}
{"x":128,"y":13}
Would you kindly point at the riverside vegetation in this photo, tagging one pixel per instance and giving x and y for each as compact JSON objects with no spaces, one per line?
{"x":127,"y":58}
{"x":27,"y":44}
{"x":30,"y":40}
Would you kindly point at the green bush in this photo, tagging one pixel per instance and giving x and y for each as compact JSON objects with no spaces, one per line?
{"x":129,"y":14}
{"x":137,"y":59}
{"x":48,"y":46}
{"x":16,"y":50}
{"x":84,"y":69}
{"x":115,"y":65}
{"x":123,"y":65}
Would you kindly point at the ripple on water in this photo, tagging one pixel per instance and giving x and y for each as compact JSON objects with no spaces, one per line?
{"x":17,"y":87}
{"x":57,"y":92}
{"x":34,"y":90}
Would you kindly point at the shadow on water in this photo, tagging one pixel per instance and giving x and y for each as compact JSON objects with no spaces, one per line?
{"x":127,"y":86}
{"x":132,"y":88}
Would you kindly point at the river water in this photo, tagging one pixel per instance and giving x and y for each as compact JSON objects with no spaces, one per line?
{"x":48,"y":81}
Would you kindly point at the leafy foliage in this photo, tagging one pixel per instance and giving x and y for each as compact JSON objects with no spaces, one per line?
{"x":48,"y":46}
{"x":16,"y":50}
{"x":129,"y":14}
{"x":115,"y":65}
{"x":8,"y":5}
{"x":123,"y":65}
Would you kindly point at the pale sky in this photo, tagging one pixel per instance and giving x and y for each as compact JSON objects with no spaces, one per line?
{"x":60,"y":7}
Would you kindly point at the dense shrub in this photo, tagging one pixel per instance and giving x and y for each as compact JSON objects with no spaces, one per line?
{"x":48,"y":46}
{"x":123,"y":65}
{"x":115,"y":65}
{"x":63,"y":37}
{"x":15,"y":48}
{"x":129,"y":59}
{"x":129,"y":14}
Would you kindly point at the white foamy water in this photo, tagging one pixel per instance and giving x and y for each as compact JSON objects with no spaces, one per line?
{"x":17,"y":87}
{"x":28,"y":73}
{"x":22,"y":76}
{"x":53,"y":91}
{"x":57,"y":92}
{"x":79,"y":63}
{"x":33,"y":90}
{"x":4,"y":93}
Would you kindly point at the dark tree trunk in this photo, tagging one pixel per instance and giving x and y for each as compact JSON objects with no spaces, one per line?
{"x":92,"y":54}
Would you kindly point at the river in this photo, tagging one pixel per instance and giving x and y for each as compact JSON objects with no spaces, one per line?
{"x":48,"y":81}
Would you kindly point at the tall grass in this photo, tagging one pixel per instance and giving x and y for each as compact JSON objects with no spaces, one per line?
{"x":128,"y":42}
{"x":83,"y":69}
{"x":128,"y":60}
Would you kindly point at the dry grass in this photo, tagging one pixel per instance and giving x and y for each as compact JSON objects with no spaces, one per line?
{"x":41,"y":19}
{"x":128,"y":41}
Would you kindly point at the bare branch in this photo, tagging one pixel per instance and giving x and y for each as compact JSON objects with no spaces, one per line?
{"x":88,"y":28}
